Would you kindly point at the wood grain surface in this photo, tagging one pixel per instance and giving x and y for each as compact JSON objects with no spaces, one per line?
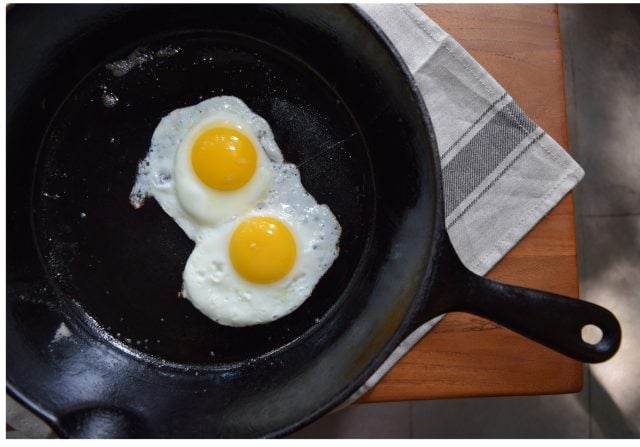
{"x":466,"y":355}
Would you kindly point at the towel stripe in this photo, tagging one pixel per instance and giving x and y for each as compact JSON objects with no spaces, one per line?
{"x":494,"y":181}
{"x":483,"y":153}
{"x":474,"y":124}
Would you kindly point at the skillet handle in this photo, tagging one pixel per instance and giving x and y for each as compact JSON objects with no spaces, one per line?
{"x":552,"y":320}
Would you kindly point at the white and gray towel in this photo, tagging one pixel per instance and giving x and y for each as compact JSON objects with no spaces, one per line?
{"x":501,"y":172}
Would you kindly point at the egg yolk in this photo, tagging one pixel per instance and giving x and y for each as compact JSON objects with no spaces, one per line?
{"x":224,"y":158}
{"x":262,"y":250}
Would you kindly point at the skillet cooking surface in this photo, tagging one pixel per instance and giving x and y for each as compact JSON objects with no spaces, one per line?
{"x":136,"y":360}
{"x":124,"y":268}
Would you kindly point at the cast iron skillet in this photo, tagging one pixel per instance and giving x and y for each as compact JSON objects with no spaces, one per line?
{"x":98,"y":344}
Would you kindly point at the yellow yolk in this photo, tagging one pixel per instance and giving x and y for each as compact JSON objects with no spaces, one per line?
{"x":224,"y":158}
{"x":262,"y":249}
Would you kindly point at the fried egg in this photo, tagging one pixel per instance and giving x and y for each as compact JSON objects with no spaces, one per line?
{"x":262,"y":241}
{"x":263,"y":265}
{"x":207,"y":163}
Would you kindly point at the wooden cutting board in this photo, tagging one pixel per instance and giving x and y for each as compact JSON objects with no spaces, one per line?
{"x":466,"y":355}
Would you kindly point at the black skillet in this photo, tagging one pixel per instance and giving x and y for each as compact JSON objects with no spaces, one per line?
{"x":99,"y":344}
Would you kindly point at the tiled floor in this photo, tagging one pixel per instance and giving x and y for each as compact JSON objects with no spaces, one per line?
{"x":602,"y":72}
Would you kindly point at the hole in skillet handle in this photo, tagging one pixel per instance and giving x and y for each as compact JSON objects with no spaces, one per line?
{"x":552,"y":320}
{"x":591,"y":334}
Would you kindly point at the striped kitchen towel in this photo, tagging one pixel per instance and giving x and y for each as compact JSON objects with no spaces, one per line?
{"x":501,"y":172}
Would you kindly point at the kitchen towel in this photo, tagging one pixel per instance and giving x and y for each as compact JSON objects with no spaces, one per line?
{"x":501,"y":172}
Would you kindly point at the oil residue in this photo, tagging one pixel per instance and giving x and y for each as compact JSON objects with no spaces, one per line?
{"x":109,"y":100}
{"x":139,"y":57}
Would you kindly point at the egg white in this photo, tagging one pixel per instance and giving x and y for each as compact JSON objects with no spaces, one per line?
{"x":210,"y":281}
{"x":218,"y":291}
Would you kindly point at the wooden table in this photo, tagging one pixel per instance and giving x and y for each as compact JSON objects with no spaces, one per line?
{"x":466,"y":355}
